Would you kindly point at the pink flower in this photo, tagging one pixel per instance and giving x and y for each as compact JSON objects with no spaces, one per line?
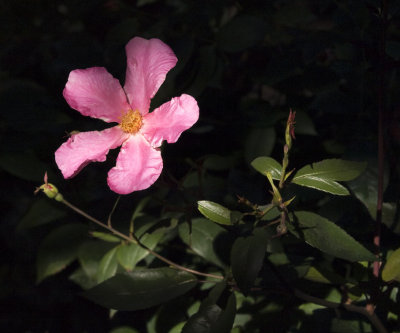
{"x":95,"y":93}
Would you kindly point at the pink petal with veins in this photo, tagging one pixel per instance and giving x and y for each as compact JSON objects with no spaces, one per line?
{"x":86,"y":147}
{"x":95,"y":93}
{"x":169,"y":120}
{"x":138,"y":166}
{"x":148,"y":62}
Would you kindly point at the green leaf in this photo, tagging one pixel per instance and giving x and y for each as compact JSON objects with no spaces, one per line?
{"x":139,"y":208}
{"x":90,"y":254}
{"x":247,"y":257}
{"x":108,"y":265}
{"x":41,"y":212}
{"x":213,"y":317}
{"x":215,"y":212}
{"x":266,"y":164}
{"x":201,"y":238}
{"x":24,"y":165}
{"x":130,"y":254}
{"x":325,"y":276}
{"x":365,"y":189}
{"x":304,"y":124}
{"x":59,"y":248}
{"x":141,"y":289}
{"x":217,"y":162}
{"x":259,"y":142}
{"x":324,"y":175}
{"x":124,"y":329}
{"x":107,"y":237}
{"x":326,"y":236}
{"x":391,"y":270}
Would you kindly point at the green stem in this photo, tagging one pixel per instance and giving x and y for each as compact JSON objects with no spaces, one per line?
{"x":285,"y":164}
{"x":135,"y":241}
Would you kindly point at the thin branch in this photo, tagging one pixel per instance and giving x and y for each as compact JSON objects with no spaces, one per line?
{"x":381,"y":120}
{"x":131,"y":240}
{"x":372,"y":317}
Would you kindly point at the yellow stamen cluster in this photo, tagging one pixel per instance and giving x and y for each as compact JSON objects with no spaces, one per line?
{"x":131,"y":122}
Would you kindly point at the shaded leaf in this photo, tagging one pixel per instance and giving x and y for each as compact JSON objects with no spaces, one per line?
{"x":304,"y":124}
{"x":217,"y":162}
{"x":41,"y":212}
{"x":212,"y":316}
{"x":141,"y":289}
{"x":124,"y":329}
{"x":201,"y":238}
{"x":241,"y":33}
{"x":90,"y":254}
{"x":365,"y":189}
{"x":326,"y":236}
{"x":247,"y":257}
{"x":108,"y":265}
{"x":139,"y":208}
{"x":266,"y":164}
{"x":215,"y":212}
{"x":259,"y":142}
{"x":59,"y":248}
{"x":23,"y":165}
{"x":391,"y":270}
{"x":324,"y":175}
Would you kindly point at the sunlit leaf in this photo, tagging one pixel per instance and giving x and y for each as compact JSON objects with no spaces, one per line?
{"x":141,"y":289}
{"x":324,"y":175}
{"x":266,"y":164}
{"x":215,"y":212}
{"x":391,"y":270}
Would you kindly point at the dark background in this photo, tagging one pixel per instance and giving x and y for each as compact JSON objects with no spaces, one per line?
{"x":246,"y":62}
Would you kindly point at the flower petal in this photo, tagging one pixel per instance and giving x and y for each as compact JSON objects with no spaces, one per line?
{"x":86,"y":147}
{"x":95,"y":93}
{"x":138,"y":166}
{"x":148,"y":62}
{"x":169,"y":120}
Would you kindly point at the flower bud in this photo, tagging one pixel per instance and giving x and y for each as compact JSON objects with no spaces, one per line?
{"x":50,"y":190}
{"x":289,"y":133}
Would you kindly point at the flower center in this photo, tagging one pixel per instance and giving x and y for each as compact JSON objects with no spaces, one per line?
{"x":131,"y":122}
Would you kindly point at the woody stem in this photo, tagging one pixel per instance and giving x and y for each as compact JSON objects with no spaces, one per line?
{"x":136,"y":241}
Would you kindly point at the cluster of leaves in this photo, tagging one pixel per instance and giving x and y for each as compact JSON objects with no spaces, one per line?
{"x":121,"y":273}
{"x":246,"y":63}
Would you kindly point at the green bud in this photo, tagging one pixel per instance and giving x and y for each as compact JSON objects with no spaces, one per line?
{"x":50,"y":190}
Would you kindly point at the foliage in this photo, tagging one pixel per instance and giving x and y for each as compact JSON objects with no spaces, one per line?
{"x":248,"y":224}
